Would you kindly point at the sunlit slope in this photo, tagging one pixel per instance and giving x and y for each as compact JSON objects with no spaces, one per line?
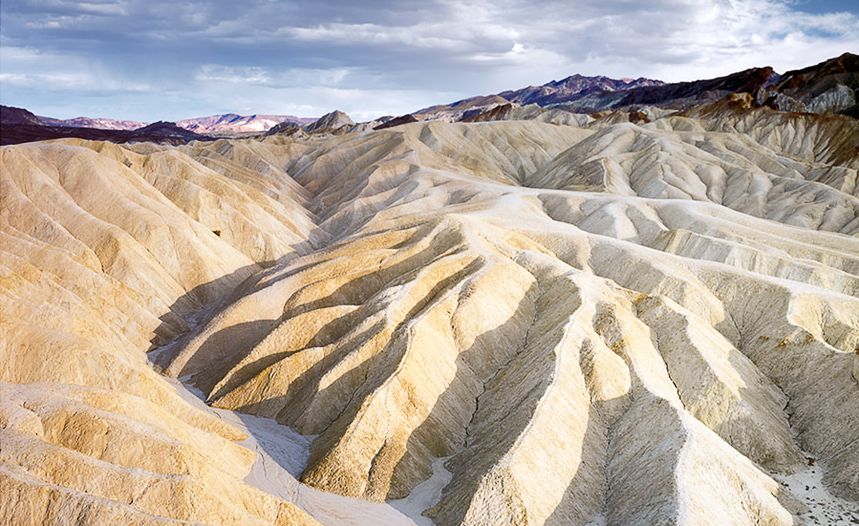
{"x":104,"y":255}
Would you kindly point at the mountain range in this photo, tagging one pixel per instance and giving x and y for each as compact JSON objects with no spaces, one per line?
{"x":227,"y":123}
{"x":19,"y":125}
{"x":827,"y":87}
{"x":234,"y":123}
{"x":573,"y":87}
{"x":830,"y":86}
{"x":90,"y":122}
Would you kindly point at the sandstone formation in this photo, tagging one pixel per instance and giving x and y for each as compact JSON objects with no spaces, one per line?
{"x":509,"y":322}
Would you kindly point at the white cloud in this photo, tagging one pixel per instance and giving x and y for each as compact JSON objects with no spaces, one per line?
{"x":292,"y":77}
{"x":670,"y":39}
{"x":746,"y":33}
{"x":103,"y":8}
{"x":420,"y":35}
{"x":233,"y":75}
{"x":22,"y":66}
{"x":161,"y":56}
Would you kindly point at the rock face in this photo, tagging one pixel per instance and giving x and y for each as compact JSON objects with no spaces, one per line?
{"x":615,"y":322}
{"x":826,"y":87}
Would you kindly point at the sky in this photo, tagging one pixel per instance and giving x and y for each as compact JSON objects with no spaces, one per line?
{"x":153,"y":60}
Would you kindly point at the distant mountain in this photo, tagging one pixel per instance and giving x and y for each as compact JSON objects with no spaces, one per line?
{"x":11,"y":116}
{"x":828,"y":87}
{"x":213,"y":124}
{"x":572,"y":88}
{"x":679,"y":95}
{"x":21,"y":125}
{"x":90,"y":122}
{"x":235,"y":123}
{"x":567,"y":90}
{"x":18,"y":125}
{"x":163,"y":131}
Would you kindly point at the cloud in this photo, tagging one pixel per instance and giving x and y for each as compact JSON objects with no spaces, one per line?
{"x":374,"y":35}
{"x":293,"y":77}
{"x":157,"y":58}
{"x":219,"y":73}
{"x":62,"y":82}
{"x":30,"y":68}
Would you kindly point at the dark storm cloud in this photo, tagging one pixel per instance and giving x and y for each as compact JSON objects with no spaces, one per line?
{"x":158,"y":59}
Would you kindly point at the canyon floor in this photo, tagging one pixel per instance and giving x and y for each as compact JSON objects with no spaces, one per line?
{"x":509,"y":322}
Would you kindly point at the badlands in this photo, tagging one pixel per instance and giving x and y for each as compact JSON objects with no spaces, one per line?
{"x":592,"y":322}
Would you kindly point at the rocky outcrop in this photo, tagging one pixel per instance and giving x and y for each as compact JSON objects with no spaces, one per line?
{"x":396,"y":121}
{"x":330,"y":123}
{"x":828,"y":87}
